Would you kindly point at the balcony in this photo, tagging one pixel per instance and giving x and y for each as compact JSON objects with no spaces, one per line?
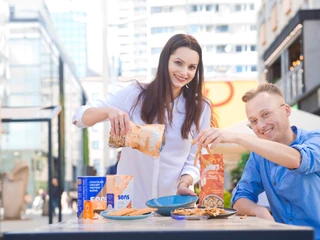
{"x":292,"y":84}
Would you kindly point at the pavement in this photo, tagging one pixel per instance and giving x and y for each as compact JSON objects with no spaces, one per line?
{"x":30,"y":220}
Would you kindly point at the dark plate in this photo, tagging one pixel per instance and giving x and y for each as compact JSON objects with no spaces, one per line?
{"x":229,"y":212}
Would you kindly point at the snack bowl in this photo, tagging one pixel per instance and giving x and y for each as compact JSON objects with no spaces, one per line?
{"x":168,"y":203}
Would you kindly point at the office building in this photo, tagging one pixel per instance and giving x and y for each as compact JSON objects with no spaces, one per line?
{"x":288,"y":48}
{"x":41,"y":75}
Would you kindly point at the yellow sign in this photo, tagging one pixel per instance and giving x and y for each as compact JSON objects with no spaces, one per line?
{"x":226,"y":98}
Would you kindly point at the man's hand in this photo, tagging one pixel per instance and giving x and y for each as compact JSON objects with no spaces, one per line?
{"x":214,"y":136}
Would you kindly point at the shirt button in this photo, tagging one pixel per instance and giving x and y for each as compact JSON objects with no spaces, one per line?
{"x":290,"y":219}
{"x":274,"y":184}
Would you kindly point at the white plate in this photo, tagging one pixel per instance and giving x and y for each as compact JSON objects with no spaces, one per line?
{"x":105,"y":215}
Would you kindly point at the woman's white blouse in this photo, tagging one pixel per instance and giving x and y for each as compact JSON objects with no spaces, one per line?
{"x":153,"y":177}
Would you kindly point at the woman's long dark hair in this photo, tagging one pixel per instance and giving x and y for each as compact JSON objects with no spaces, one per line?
{"x":158,"y":95}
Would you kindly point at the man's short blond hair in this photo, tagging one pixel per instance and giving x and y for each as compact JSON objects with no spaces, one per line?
{"x":265,"y":87}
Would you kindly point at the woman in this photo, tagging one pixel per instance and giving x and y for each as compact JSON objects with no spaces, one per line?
{"x":173,"y":98}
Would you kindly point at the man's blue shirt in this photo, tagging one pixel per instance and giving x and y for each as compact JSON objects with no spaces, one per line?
{"x":293,"y":195}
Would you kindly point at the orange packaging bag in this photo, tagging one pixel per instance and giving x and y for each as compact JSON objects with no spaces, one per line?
{"x":211,"y":180}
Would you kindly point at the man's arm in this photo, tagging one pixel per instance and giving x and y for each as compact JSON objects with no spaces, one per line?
{"x":273,"y":151}
{"x":247,"y":207}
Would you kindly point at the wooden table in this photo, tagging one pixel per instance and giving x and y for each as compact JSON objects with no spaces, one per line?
{"x":156,"y":228}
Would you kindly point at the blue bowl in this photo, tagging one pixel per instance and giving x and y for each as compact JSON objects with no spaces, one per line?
{"x":166,"y":204}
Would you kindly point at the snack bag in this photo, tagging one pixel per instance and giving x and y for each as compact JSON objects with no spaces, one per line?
{"x":148,"y":139}
{"x":211,"y":180}
{"x":119,"y":191}
{"x":91,"y":195}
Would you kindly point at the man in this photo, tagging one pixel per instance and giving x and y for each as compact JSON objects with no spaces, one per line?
{"x":113,"y":169}
{"x":56,"y":195}
{"x":284,"y":162}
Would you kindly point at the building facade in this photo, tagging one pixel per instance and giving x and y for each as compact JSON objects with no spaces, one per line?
{"x":228,"y":43}
{"x":42,"y":75}
{"x":4,"y":54}
{"x":72,"y":30}
{"x":288,"y":49}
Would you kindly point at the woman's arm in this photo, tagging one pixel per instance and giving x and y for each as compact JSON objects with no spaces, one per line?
{"x":114,"y":108}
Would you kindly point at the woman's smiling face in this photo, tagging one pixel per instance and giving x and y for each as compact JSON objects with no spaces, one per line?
{"x":182,"y":68}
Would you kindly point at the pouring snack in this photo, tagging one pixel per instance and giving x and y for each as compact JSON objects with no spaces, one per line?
{"x":148,"y":139}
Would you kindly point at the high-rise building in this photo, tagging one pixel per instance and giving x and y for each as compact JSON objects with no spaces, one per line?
{"x":225,"y":30}
{"x":4,"y":54}
{"x":228,"y":43}
{"x":72,"y":30}
{"x":41,"y":75}
{"x":288,"y":48}
{"x":71,"y":26}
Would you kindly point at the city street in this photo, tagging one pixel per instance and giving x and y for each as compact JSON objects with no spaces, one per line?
{"x":31,"y":220}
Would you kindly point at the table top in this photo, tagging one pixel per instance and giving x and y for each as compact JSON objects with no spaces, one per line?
{"x":156,"y":227}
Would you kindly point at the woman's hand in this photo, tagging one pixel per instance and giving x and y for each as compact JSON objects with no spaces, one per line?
{"x":120,"y":124}
{"x":184,"y":190}
{"x":183,"y":186}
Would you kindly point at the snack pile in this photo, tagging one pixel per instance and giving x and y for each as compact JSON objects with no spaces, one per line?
{"x":131,"y":211}
{"x":213,"y":212}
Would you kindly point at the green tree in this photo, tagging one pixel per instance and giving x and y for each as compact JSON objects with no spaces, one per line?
{"x":236,"y":173}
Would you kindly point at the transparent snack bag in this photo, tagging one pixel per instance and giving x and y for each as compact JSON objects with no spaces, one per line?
{"x":148,"y":139}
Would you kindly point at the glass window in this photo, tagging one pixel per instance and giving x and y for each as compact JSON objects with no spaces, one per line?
{"x":210,"y":69}
{"x":238,"y":48}
{"x":194,"y":29}
{"x":210,"y":48}
{"x":95,"y":144}
{"x":237,"y":7}
{"x":238,"y":69}
{"x":221,"y":48}
{"x":156,"y":9}
{"x":209,"y":7}
{"x":253,"y":28}
{"x":156,"y":50}
{"x":209,"y":28}
{"x":193,"y":8}
{"x":253,"y":48}
{"x":222,"y":28}
{"x":196,"y":8}
{"x":253,"y":68}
